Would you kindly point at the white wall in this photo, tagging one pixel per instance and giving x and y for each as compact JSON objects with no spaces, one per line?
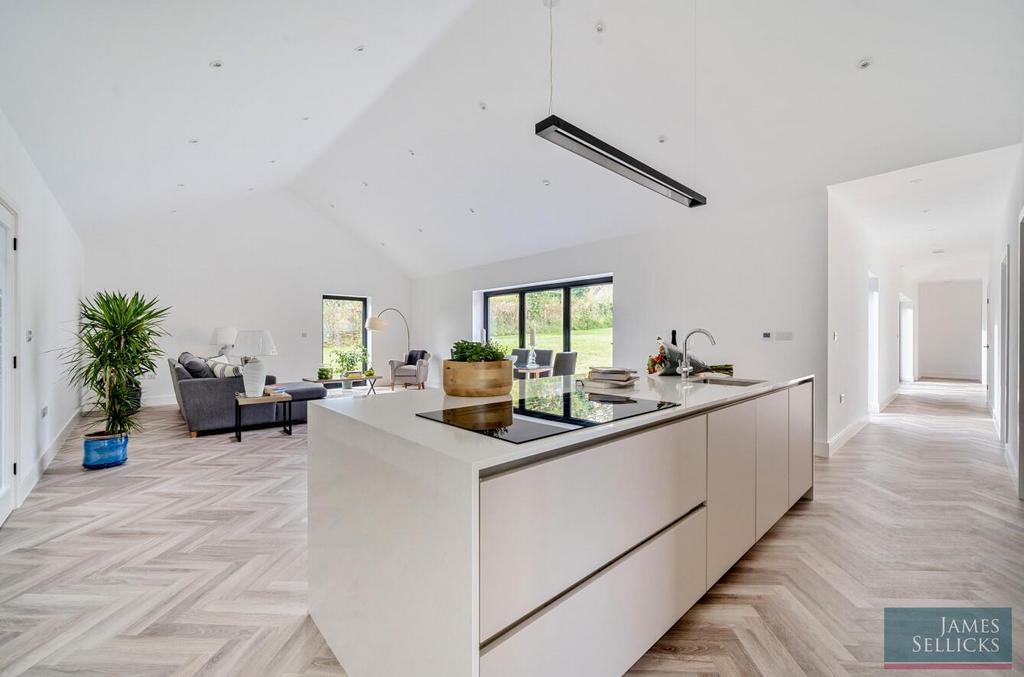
{"x":260,"y":263}
{"x":736,"y":274}
{"x":949,"y":329}
{"x":49,"y":264}
{"x":1009,"y":234}
{"x":852,"y":255}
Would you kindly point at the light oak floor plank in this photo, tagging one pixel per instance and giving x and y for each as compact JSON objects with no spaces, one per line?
{"x":190,"y":559}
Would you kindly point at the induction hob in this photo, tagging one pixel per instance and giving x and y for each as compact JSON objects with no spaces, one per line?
{"x":543,"y":413}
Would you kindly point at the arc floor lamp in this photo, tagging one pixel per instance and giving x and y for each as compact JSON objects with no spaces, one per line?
{"x":379,"y":324}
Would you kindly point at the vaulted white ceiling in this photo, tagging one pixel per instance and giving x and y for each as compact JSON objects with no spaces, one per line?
{"x":107,"y":94}
{"x":423,"y":144}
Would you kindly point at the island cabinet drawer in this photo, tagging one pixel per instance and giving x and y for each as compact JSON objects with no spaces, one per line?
{"x":545,"y":527}
{"x":601,"y":628}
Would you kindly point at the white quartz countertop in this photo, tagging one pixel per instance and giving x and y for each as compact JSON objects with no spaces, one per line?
{"x":394,"y":414}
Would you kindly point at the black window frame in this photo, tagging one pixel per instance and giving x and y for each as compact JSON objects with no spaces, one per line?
{"x":365,"y":300}
{"x":566,"y":288}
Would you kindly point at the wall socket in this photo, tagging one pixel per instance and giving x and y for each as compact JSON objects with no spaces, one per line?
{"x":766,"y":335}
{"x":842,"y":397}
{"x":783,"y":336}
{"x":28,"y":336}
{"x":43,"y":412}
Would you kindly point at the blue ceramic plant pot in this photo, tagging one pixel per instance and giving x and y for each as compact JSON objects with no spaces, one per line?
{"x":104,"y":451}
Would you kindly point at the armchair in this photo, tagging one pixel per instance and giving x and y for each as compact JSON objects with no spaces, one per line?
{"x":410,"y":371}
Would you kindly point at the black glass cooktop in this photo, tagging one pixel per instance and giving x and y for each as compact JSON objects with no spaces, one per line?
{"x":542,"y":412}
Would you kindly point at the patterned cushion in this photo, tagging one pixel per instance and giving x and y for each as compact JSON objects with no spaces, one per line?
{"x":221,"y":368}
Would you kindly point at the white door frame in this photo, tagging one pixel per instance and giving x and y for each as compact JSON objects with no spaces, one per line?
{"x":1004,"y":348}
{"x":1019,"y":433}
{"x":11,"y":411}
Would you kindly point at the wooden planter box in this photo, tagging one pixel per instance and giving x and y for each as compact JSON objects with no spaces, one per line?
{"x":477,"y":379}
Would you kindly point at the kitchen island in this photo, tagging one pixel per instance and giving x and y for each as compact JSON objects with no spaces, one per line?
{"x":438,"y":548}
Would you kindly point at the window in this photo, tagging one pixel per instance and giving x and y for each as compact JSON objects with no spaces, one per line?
{"x":575,"y":316}
{"x":344,"y":319}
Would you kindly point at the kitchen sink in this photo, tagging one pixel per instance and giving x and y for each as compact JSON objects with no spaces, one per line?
{"x":711,"y":380}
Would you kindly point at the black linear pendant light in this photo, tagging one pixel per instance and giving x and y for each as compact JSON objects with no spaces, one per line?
{"x":568,"y":136}
{"x":558,"y":131}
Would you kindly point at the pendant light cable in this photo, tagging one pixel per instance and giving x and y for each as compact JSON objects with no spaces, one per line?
{"x":551,"y":56}
{"x":693,"y":148}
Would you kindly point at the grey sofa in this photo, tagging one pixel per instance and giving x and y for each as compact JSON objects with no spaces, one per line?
{"x":208,"y":403}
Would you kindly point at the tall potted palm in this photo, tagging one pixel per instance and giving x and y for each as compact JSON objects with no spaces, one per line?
{"x":117,"y":345}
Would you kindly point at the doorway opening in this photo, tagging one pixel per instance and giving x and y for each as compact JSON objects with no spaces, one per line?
{"x":8,"y":395}
{"x":873,"y":343}
{"x":906,"y":340}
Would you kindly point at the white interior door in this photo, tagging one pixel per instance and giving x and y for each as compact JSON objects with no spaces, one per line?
{"x":906,"y":331}
{"x":1004,"y":348}
{"x":7,"y":342}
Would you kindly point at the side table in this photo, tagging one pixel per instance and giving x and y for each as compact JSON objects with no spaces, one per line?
{"x":268,"y":397}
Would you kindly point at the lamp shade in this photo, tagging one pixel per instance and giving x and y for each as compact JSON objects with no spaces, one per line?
{"x":223,"y":336}
{"x":376,"y":324}
{"x":253,"y":342}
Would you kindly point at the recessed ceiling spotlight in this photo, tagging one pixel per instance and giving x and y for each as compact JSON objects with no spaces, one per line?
{"x":599,"y":27}
{"x":216,"y":63}
{"x":331,"y":205}
{"x":483,"y":105}
{"x":472,"y":211}
{"x":864,"y":63}
{"x":383,"y":245}
{"x":662,"y":139}
{"x":361,"y":48}
{"x":412,"y":153}
{"x":365,"y":184}
{"x":272,"y":161}
{"x":932,"y":229}
{"x":546,"y":182}
{"x":181,"y":185}
{"x":419,"y":230}
{"x":916,"y":180}
{"x":925,"y":211}
{"x":251,"y":189}
{"x":174,"y":211}
{"x":938,"y":251}
{"x":193,"y":141}
{"x":305,"y":118}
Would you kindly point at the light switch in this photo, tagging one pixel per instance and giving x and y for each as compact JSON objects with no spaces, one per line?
{"x":28,"y":336}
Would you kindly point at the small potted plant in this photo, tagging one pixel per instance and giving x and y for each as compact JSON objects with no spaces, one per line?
{"x":350,"y":361}
{"x":477,"y":370}
{"x":117,"y":345}
{"x":324,"y":373}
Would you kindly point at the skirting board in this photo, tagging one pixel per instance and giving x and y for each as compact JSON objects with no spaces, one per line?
{"x":28,"y":481}
{"x":836,"y":442}
{"x":885,"y":403}
{"x":971,"y":378}
{"x":158,"y":400}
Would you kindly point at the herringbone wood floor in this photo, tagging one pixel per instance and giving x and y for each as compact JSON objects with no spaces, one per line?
{"x":190,"y":558}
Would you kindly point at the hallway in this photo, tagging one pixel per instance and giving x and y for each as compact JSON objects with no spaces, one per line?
{"x":190,"y":559}
{"x":918,"y":509}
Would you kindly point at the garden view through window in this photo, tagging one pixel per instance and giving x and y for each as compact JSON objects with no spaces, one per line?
{"x":576,"y":316}
{"x":344,"y":331}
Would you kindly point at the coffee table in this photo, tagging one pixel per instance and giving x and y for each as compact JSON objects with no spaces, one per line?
{"x":370,"y":381}
{"x":268,"y":397}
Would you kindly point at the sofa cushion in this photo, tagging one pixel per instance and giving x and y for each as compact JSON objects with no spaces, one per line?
{"x":304,"y":390}
{"x":221,"y":368}
{"x":406,"y":370}
{"x":415,"y":356}
{"x":196,"y":366}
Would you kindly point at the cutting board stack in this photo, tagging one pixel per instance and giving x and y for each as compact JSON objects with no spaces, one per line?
{"x":610,"y":377}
